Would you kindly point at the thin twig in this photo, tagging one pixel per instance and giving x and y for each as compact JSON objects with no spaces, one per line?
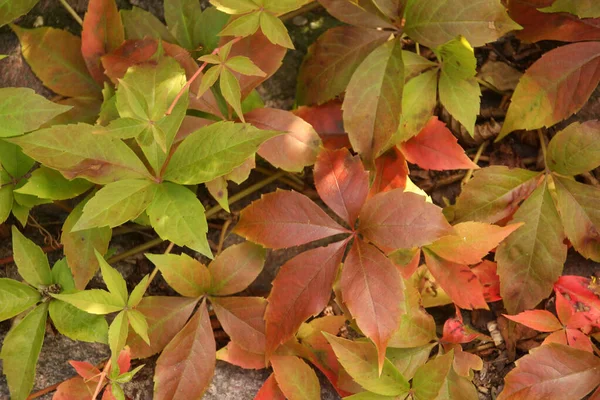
{"x":223,"y":236}
{"x":286,"y":179}
{"x":543,"y":145}
{"x":70,"y":10}
{"x":467,"y":177}
{"x":591,"y":179}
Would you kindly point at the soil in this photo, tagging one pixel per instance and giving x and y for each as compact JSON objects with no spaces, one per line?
{"x":231,"y":382}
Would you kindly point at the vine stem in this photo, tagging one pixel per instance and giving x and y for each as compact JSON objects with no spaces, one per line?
{"x":197,"y":74}
{"x":70,"y":10}
{"x":469,"y":174}
{"x":542,"y":145}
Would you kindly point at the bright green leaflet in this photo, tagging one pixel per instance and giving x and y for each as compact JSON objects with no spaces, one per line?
{"x":13,"y":9}
{"x":139,"y":24}
{"x":47,"y":183}
{"x":15,"y":297}
{"x":31,"y":261}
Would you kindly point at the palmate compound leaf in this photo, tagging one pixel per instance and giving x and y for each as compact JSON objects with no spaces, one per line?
{"x":21,"y":349}
{"x":236,"y":268}
{"x":285,"y":219}
{"x":102,"y":33}
{"x":77,"y":152}
{"x":531,"y":259}
{"x":242,"y":319}
{"x":15,"y":297}
{"x":373,"y":290}
{"x":22,"y":110}
{"x":295,"y":378}
{"x":480,"y":21}
{"x":186,"y":366}
{"x":485,"y":202}
{"x":301,"y":289}
{"x":292,"y":151}
{"x":359,"y":359}
{"x":373,"y":100}
{"x":331,"y":61}
{"x":582,"y":8}
{"x":550,"y":372}
{"x":575,"y":149}
{"x":55,"y":57}
{"x":213,"y":151}
{"x":31,"y":261}
{"x":342,"y":183}
{"x":359,"y":13}
{"x":554,"y":87}
{"x":186,"y":275}
{"x":399,"y":220}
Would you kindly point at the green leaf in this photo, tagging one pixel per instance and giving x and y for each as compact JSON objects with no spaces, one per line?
{"x":214,"y":151}
{"x":21,"y":111}
{"x":208,"y":79}
{"x":581,"y":8}
{"x":531,"y":259}
{"x":47,"y":183}
{"x":212,"y":21}
{"x":21,"y":213}
{"x":76,"y":151}
{"x":80,"y":247}
{"x":6,"y":202}
{"x":275,"y":30}
{"x":295,"y":378}
{"x":177,"y":215}
{"x":186,"y":275}
{"x":61,"y":275}
{"x":15,"y":297}
{"x":117,"y":335}
{"x":418,"y":103}
{"x":138,"y":292}
{"x":139,"y":324}
{"x":114,"y":281}
{"x":417,"y":326}
{"x":11,"y":10}
{"x":438,"y":380}
{"x":414,"y":64}
{"x":359,"y":359}
{"x":230,"y":88}
{"x":575,"y":149}
{"x":124,"y":128}
{"x":117,"y":203}
{"x":20,"y":351}
{"x":409,"y":360}
{"x":436,"y":22}
{"x":93,"y":301}
{"x":140,"y":24}
{"x":128,"y":376}
{"x":283,"y":6}
{"x":235,"y":6}
{"x":243,"y":26}
{"x":184,"y":19}
{"x":369,"y":396}
{"x":31,"y":261}
{"x":244,"y":66}
{"x":77,"y":324}
{"x":13,"y":160}
{"x":459,"y":90}
{"x":373,"y":100}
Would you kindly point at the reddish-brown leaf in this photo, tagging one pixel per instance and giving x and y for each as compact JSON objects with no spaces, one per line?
{"x":102,"y":33}
{"x":435,"y":147}
{"x":552,"y":372}
{"x":236,"y":268}
{"x":486,"y":273}
{"x":242,"y":319}
{"x":237,"y":355}
{"x":55,"y":57}
{"x":540,"y":320}
{"x":295,"y":378}
{"x":373,"y":290}
{"x":301,"y":289}
{"x":364,"y":14}
{"x":75,"y":389}
{"x":472,"y":241}
{"x":328,"y":121}
{"x":165,"y":316}
{"x":391,"y":172}
{"x":457,"y":280}
{"x":86,"y":370}
{"x":292,"y":151}
{"x":270,"y":390}
{"x":398,"y":220}
{"x":342,"y":183}
{"x":186,"y":366}
{"x":285,"y":219}
{"x":538,"y":25}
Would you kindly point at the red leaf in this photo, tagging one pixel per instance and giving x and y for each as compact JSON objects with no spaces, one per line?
{"x":124,"y":360}
{"x":242,"y":319}
{"x":301,"y":289}
{"x":295,"y":378}
{"x":457,"y":280}
{"x":102,"y":33}
{"x":328,"y":121}
{"x":472,"y":241}
{"x":564,"y":310}
{"x":292,"y":151}
{"x":580,"y":290}
{"x":486,"y":273}
{"x":435,"y":147}
{"x":397,"y":220}
{"x":186,"y":366}
{"x":165,"y":316}
{"x":455,"y":331}
{"x":285,"y":219}
{"x":550,"y":372}
{"x":372,"y":290}
{"x":75,"y":389}
{"x":270,"y":390}
{"x":237,"y":355}
{"x":342,"y":183}
{"x":86,"y":370}
{"x":538,"y":25}
{"x":391,"y":172}
{"x":236,"y":268}
{"x":579,"y":340}
{"x":540,"y":320}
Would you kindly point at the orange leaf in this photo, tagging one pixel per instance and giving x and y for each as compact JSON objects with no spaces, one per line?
{"x":540,"y":320}
{"x":328,"y":121}
{"x":242,"y":319}
{"x":237,"y":355}
{"x":391,"y":172}
{"x":270,"y":390}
